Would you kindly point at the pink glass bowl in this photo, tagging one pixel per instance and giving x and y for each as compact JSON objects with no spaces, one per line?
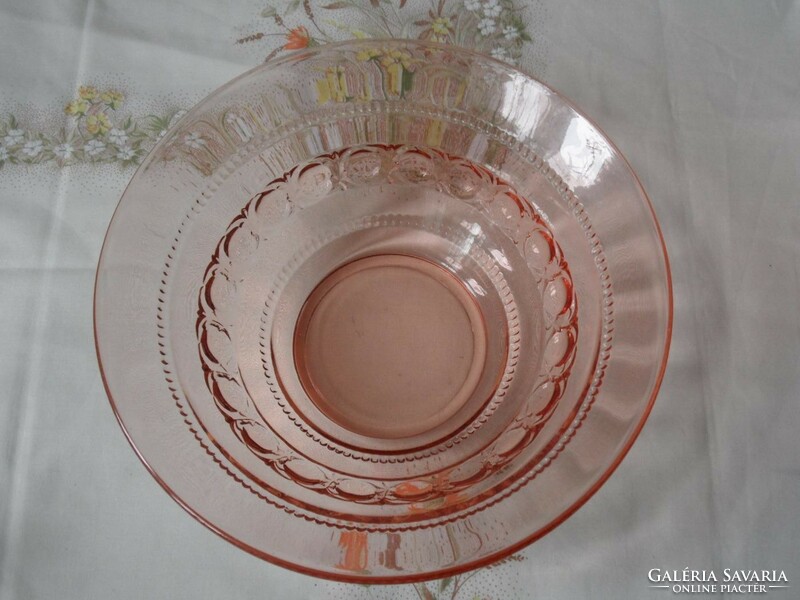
{"x":383,"y":310}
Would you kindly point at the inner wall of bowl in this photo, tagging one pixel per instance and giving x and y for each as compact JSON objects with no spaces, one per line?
{"x":389,"y":128}
{"x":418,"y":233}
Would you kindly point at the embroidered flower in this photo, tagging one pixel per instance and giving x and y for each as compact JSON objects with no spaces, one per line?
{"x":33,"y":148}
{"x":500,"y":53}
{"x":472,"y":5}
{"x":113,"y":98}
{"x":365,"y":55}
{"x":98,"y":124}
{"x":118,"y":137}
{"x":486,"y":26}
{"x":492,"y":8}
{"x":13,"y":137}
{"x":125,"y":153}
{"x":64,"y":151}
{"x":394,"y":57}
{"x":442,"y":25}
{"x":95,"y":139}
{"x":194,"y":140}
{"x":510,"y":32}
{"x":77,"y":107}
{"x":94,"y":147}
{"x":297,"y":38}
{"x":88,"y":92}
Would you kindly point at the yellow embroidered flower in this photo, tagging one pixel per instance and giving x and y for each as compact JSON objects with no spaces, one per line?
{"x":442,"y":25}
{"x":87,"y":92}
{"x":365,"y":55}
{"x":333,"y":86}
{"x":393,"y":57}
{"x":113,"y":98}
{"x":77,"y":107}
{"x":98,"y":124}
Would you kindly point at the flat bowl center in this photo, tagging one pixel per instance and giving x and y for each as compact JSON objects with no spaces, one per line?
{"x":390,"y":346}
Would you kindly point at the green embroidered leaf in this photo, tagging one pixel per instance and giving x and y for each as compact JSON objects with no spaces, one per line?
{"x":158,"y":124}
{"x":269,"y":12}
{"x":517,"y":22}
{"x":443,"y":583}
{"x":293,"y":6}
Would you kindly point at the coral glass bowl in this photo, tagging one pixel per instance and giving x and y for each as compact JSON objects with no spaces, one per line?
{"x":383,"y":311}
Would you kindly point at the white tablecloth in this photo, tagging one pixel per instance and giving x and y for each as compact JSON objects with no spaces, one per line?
{"x":702,"y":97}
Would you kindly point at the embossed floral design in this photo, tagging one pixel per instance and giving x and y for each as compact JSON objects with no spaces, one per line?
{"x":95,"y":133}
{"x":439,"y":481}
{"x":484,"y":25}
